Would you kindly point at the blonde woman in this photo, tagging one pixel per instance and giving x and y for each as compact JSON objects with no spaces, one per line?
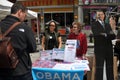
{"x":81,"y":38}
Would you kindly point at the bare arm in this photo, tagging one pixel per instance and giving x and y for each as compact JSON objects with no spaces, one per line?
{"x":43,"y":43}
{"x":60,"y":42}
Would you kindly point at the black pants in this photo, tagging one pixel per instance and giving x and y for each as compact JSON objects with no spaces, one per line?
{"x":100,"y":58}
{"x":85,"y":77}
{"x":27,"y":76}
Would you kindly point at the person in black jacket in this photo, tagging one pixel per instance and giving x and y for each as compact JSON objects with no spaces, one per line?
{"x":103,"y":47}
{"x":51,"y":38}
{"x":117,"y":48}
{"x":23,"y":41}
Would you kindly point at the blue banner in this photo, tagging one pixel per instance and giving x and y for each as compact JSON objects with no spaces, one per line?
{"x":52,"y":74}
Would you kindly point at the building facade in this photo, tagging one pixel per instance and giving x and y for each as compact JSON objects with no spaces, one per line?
{"x":67,"y":11}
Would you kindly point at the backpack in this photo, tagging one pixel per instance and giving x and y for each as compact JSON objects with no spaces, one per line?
{"x":8,"y":56}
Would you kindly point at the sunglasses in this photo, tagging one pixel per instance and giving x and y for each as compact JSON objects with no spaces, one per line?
{"x":52,"y":25}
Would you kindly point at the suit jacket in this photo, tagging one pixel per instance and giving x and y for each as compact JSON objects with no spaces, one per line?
{"x":102,"y":37}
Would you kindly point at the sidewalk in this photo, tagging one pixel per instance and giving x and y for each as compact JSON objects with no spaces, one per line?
{"x":34,"y":56}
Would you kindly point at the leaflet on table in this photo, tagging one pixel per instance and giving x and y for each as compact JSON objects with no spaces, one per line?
{"x":70,"y":50}
{"x":72,"y":66}
{"x":81,"y":61}
{"x":60,"y":66}
{"x":46,"y":55}
{"x":80,"y":66}
{"x":58,"y":54}
{"x":52,"y":54}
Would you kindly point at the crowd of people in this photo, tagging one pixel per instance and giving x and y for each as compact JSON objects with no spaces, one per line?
{"x":23,"y":41}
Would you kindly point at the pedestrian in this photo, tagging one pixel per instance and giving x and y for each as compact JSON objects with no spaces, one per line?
{"x":23,"y":42}
{"x":51,"y":38}
{"x":112,"y":22}
{"x":117,"y":49}
{"x":91,"y":37}
{"x":67,"y":29}
{"x":81,"y":39}
{"x":103,"y":47}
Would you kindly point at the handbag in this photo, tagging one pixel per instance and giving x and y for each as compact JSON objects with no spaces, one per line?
{"x":8,"y":56}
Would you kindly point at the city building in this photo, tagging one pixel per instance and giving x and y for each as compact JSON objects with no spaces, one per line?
{"x":66,"y":11}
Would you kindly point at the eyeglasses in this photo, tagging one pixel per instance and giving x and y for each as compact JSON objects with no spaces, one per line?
{"x":74,"y":27}
{"x":101,"y":14}
{"x":52,"y":25}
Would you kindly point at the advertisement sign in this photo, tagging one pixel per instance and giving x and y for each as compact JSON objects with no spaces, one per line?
{"x":51,"y":74}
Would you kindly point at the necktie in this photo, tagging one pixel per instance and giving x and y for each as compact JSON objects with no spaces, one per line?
{"x":103,"y":24}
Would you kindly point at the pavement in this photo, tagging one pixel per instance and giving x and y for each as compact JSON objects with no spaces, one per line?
{"x":35,"y":56}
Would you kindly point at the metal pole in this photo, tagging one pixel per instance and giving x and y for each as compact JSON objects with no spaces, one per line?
{"x":65,"y":18}
{"x":51,"y":16}
{"x":38,"y":34}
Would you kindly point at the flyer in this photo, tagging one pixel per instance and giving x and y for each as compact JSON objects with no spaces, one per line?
{"x":70,"y":50}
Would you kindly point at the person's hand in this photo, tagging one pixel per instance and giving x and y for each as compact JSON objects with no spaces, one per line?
{"x":103,"y":34}
{"x":111,"y":32}
{"x":43,"y":49}
{"x":84,"y":57}
{"x":118,"y":40}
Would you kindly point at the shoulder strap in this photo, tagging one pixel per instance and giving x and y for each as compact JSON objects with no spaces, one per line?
{"x":11,"y":28}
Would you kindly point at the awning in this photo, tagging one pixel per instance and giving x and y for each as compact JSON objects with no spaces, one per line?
{"x":5,"y":7}
{"x":95,"y":7}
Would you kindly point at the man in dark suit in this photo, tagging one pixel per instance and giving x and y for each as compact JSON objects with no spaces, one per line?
{"x":103,"y":48}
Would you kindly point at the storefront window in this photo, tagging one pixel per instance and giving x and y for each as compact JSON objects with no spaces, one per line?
{"x":62,"y":18}
{"x":47,"y":17}
{"x":59,"y":17}
{"x":86,"y":16}
{"x":69,"y":18}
